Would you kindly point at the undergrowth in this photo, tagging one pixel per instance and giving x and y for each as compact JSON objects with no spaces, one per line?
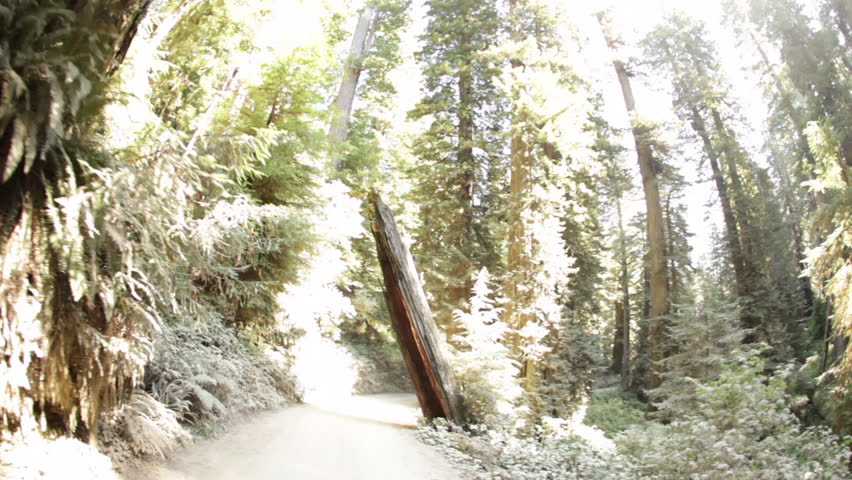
{"x":741,"y":428}
{"x":201,"y":375}
{"x":613,"y":410}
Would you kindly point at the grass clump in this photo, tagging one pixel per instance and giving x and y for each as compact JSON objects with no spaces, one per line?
{"x":614,"y":410}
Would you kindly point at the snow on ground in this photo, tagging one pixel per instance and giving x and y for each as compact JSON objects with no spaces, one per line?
{"x":53,"y":459}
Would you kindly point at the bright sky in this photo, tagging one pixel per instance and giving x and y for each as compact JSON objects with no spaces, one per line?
{"x":298,"y":22}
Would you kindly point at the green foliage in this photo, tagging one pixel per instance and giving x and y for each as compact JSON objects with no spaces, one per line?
{"x":207,"y":371}
{"x":460,"y":151}
{"x":764,"y":263}
{"x":43,"y":87}
{"x":74,"y":312}
{"x":614,"y":410}
{"x":200,"y":374}
{"x":740,"y":428}
{"x":202,"y":49}
{"x":704,"y":335}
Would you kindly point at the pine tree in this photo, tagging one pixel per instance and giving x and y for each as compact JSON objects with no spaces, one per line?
{"x":458,"y":150}
{"x":616,"y":187}
{"x":701,"y":99}
{"x":707,"y":336}
{"x":484,"y":366}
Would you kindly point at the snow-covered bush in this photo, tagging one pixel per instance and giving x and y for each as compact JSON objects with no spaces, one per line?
{"x":200,"y":373}
{"x":207,"y":371}
{"x":483,"y":365}
{"x":142,"y":426}
{"x":740,"y":428}
{"x":556,"y":453}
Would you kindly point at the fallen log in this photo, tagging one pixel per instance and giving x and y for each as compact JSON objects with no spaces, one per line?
{"x":418,"y":336}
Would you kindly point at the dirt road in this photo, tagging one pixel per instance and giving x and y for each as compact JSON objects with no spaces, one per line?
{"x":359,"y":439}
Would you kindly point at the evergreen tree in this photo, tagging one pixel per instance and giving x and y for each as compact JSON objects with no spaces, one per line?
{"x":458,"y":151}
{"x":707,"y":336}
{"x":817,"y":63}
{"x":542,"y":177}
{"x":701,"y":99}
{"x":485,"y":369}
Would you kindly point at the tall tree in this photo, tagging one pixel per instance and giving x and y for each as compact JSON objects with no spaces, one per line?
{"x":658,"y":271}
{"x":550,"y":242}
{"x":362,"y":43}
{"x":680,"y":47}
{"x":617,"y":186}
{"x":458,"y":149}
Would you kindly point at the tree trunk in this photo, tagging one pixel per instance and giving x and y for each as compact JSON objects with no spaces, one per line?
{"x":418,"y":336}
{"x":518,"y":263}
{"x":625,"y":299}
{"x":656,"y":237}
{"x":362,"y":41}
{"x":750,"y":276}
{"x":618,"y":339}
{"x":60,"y":361}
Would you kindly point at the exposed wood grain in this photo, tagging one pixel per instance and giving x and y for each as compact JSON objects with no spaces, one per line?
{"x":421,"y":344}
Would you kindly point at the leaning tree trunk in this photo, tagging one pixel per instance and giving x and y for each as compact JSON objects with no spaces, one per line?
{"x":421,"y":343}
{"x":65,"y":359}
{"x":655,"y":230}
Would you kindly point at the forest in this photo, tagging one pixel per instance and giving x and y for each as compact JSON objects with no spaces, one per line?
{"x":631,"y":224}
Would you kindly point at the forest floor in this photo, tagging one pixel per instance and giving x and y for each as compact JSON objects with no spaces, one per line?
{"x":362,"y":437}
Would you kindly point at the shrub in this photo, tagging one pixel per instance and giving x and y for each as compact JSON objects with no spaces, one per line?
{"x":613,"y":410}
{"x":207,"y":372}
{"x":554,"y":454}
{"x":740,"y":428}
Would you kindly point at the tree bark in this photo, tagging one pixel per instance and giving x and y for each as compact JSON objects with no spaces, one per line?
{"x":518,"y":263}
{"x":362,"y":42}
{"x":418,"y":336}
{"x":656,"y":237}
{"x":618,"y":339}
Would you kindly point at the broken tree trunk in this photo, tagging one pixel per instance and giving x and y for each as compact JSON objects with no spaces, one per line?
{"x":416,"y":332}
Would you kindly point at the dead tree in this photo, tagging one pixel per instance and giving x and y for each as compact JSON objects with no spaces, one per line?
{"x":421,"y":344}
